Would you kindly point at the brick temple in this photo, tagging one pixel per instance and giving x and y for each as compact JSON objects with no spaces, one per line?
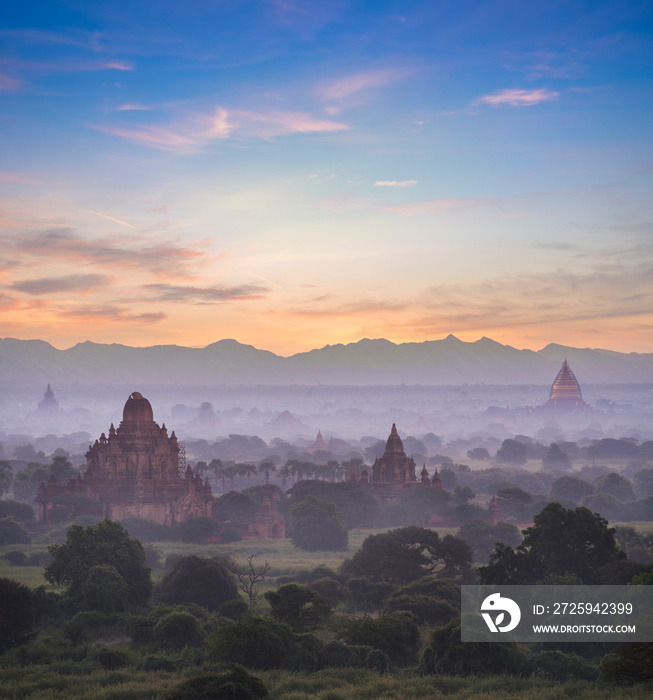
{"x":138,"y":470}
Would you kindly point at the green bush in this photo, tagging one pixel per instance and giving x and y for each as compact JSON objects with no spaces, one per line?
{"x":16,"y":613}
{"x":378,"y":661}
{"x":235,"y":684}
{"x":178,"y":629}
{"x":396,"y":634}
{"x":368,"y":595}
{"x":16,"y":558}
{"x":12,"y":533}
{"x":339,"y":655}
{"x":197,"y":530}
{"x":447,"y":655}
{"x":256,"y":642}
{"x":234,"y":609}
{"x":104,"y":589}
{"x":631,"y":664}
{"x":562,"y":667}
{"x":21,"y":512}
{"x":156,"y":662}
{"x":298,"y":606}
{"x":198,"y":580}
{"x":111,"y":659}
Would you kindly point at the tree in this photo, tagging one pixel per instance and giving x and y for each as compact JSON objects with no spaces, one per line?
{"x":570,"y":488}
{"x":316,"y":525}
{"x":514,"y":501}
{"x":178,"y":629}
{"x":104,"y":589}
{"x":62,"y":468}
{"x":104,"y":544}
{"x":616,"y":485}
{"x":16,"y":613}
{"x":12,"y":532}
{"x":298,"y":606}
{"x":482,"y":537}
{"x":447,"y":655}
{"x":560,"y":542}
{"x":198,"y":580}
{"x":478,"y":453}
{"x":396,"y":634}
{"x":5,"y":475}
{"x":358,"y":506}
{"x":236,"y":507}
{"x":555,"y":458}
{"x":407,"y":553}
{"x":512,"y":452}
{"x":248,"y":578}
{"x":256,"y":642}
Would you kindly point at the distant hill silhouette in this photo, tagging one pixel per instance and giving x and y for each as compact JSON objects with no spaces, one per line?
{"x":447,"y":361}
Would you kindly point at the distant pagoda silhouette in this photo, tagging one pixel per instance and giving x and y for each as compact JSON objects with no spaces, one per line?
{"x":565,"y":392}
{"x":48,"y":406}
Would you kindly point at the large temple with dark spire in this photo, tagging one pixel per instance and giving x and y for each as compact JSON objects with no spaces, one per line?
{"x":138,"y":470}
{"x":393,"y":467}
{"x":565,"y":392}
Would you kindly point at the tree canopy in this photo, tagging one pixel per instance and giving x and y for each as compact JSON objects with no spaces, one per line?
{"x":104,"y":544}
{"x":205,"y":582}
{"x":316,"y":525}
{"x":407,"y":553}
{"x":560,"y":542}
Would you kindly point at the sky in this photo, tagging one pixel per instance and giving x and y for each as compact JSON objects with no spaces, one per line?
{"x":293,"y":174}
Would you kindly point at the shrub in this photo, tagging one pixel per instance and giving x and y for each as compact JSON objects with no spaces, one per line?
{"x":298,"y":606}
{"x":257,"y":642}
{"x":21,"y":512}
{"x":447,"y":655}
{"x":205,"y":582}
{"x":147,"y":530}
{"x":178,"y":629}
{"x":235,"y":684}
{"x":396,"y":634}
{"x":12,"y":533}
{"x":234,"y":609}
{"x":369,"y":595}
{"x":562,"y":667}
{"x":339,"y":655}
{"x":306,"y":653}
{"x":631,"y":664}
{"x":16,"y":558}
{"x":16,"y":613}
{"x":105,"y":589}
{"x":330,"y":589}
{"x":156,"y":662}
{"x":197,"y":530}
{"x":111,"y":659}
{"x":378,"y":661}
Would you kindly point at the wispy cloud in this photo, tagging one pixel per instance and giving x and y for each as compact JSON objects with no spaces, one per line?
{"x":110,"y":314}
{"x":394,"y":183}
{"x":432,"y":205}
{"x":517,"y":98}
{"x":201,"y":130}
{"x":132,"y":107}
{"x":9,"y":84}
{"x":65,"y":244}
{"x":214,"y":294}
{"x":19,"y":179}
{"x":54,"y":285}
{"x":345,"y":86}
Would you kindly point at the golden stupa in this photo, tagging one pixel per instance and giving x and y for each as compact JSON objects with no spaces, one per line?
{"x":565,"y":391}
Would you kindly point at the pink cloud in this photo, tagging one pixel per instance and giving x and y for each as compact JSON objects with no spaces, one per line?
{"x":394,"y":183}
{"x":18,"y":179}
{"x":198,"y":131}
{"x":517,"y":98}
{"x":9,"y":84}
{"x":429,"y":206}
{"x":341,"y":88}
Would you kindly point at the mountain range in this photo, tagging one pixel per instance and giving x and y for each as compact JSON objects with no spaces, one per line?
{"x":449,"y":361}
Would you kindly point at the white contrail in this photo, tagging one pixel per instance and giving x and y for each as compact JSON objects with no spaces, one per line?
{"x":110,"y":218}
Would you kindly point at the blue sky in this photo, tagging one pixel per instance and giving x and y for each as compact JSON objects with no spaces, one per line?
{"x":292,"y":174}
